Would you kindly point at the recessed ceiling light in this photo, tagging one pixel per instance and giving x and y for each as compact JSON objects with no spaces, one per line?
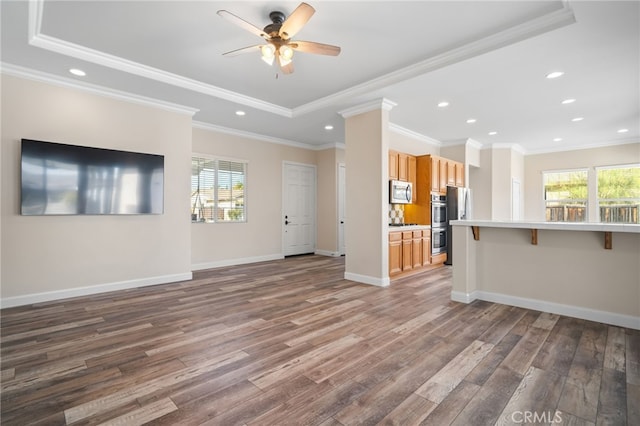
{"x":443,"y":104}
{"x":555,"y":74}
{"x":577,"y":119}
{"x":328,"y":127}
{"x":471,"y":121}
{"x":240,"y":113}
{"x":78,"y":72}
{"x":493,"y":133}
{"x":623,"y":130}
{"x":568,"y":101}
{"x":557,"y":139}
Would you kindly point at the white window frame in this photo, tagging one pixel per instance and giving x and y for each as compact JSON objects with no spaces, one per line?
{"x":217,"y":159}
{"x":585,"y":200}
{"x":598,"y":199}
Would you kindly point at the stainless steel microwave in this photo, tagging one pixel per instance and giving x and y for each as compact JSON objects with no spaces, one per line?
{"x":400,"y":192}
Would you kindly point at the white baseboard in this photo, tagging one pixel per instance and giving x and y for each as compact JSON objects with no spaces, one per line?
{"x":237,"y":261}
{"x":365,"y":279}
{"x":327,"y":253}
{"x":49,"y":296}
{"x":605,"y":317}
{"x":458,"y":296}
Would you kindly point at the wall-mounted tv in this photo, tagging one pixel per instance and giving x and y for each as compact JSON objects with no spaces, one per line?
{"x":61,"y":179}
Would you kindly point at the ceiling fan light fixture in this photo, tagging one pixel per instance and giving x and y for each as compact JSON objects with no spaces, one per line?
{"x":286,"y":55}
{"x":268,"y":53}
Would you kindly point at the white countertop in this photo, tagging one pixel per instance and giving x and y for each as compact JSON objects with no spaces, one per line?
{"x":408,"y":228}
{"x":560,"y":226}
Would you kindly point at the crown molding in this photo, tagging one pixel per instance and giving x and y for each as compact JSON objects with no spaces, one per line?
{"x":548,"y":22}
{"x":616,"y":142}
{"x":381,"y":103}
{"x":512,"y":146}
{"x":250,"y":135}
{"x":43,"y":41}
{"x":540,"y":25}
{"x":29,"y":74}
{"x":414,"y":135}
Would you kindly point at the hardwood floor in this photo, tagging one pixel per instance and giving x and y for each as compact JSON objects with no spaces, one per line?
{"x":292,"y":342}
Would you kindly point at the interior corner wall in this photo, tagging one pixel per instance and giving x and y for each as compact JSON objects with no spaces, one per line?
{"x":49,"y":257}
{"x":367,"y":174}
{"x":479,"y":180}
{"x":327,"y":210}
{"x":501,"y":184}
{"x":260,"y":238}
{"x":412,"y":146}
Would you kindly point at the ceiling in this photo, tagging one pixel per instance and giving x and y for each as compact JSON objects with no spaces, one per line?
{"x":488,"y":59}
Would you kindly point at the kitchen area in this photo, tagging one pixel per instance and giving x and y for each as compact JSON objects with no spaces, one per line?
{"x":425,"y":192}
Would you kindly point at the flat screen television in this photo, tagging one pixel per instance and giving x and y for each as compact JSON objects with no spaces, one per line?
{"x":61,"y":179}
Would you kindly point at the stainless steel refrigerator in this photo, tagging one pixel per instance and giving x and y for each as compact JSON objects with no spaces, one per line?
{"x":458,"y":208}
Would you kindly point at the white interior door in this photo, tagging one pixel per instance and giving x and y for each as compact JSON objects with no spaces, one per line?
{"x":299,"y":209}
{"x":341,"y":208}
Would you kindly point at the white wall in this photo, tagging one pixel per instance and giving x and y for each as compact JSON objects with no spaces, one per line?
{"x":327,"y":168}
{"x":48,"y":257}
{"x":260,"y":238}
{"x":582,"y":158}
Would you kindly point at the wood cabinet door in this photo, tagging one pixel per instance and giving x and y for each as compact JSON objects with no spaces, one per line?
{"x":426,"y":248}
{"x":416,"y":251}
{"x":407,"y":257}
{"x":435,"y":174}
{"x":403,"y":172}
{"x":444,"y":166}
{"x":451,"y":173}
{"x":459,"y":174}
{"x":393,"y":165}
{"x":395,"y":257}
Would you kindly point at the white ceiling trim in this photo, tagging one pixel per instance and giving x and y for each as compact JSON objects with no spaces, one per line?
{"x":17,"y":71}
{"x":589,"y":146}
{"x":512,"y":35}
{"x":43,"y":41}
{"x":250,"y":135}
{"x":382,"y":103}
{"x":545,"y":23}
{"x":414,"y":135}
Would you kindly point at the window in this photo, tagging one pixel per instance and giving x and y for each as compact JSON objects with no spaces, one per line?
{"x":566,"y":195}
{"x":218,"y":190}
{"x":619,"y":194}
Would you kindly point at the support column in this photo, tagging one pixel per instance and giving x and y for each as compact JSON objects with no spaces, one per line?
{"x":367,"y":181}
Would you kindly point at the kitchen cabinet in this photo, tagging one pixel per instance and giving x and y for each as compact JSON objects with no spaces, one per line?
{"x":402,"y":167}
{"x":451,"y":172}
{"x":409,"y":251}
{"x":417,"y":249}
{"x":395,"y":253}
{"x":426,"y":247}
{"x":393,"y":165}
{"x":459,"y":181}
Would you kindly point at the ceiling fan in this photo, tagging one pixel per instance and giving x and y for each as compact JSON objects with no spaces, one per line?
{"x":279,"y":46}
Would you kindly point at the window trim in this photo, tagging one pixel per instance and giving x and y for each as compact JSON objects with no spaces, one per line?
{"x":585,"y":200}
{"x":598,"y":199}
{"x":217,"y":159}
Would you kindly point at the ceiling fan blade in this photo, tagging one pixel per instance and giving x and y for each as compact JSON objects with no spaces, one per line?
{"x":296,"y":20}
{"x":242,"y":23}
{"x":313,"y":47}
{"x":248,"y":49}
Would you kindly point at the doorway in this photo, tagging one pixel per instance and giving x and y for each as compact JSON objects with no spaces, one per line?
{"x":298,"y":208}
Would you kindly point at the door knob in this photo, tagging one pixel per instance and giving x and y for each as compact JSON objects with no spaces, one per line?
{"x":286,"y":222}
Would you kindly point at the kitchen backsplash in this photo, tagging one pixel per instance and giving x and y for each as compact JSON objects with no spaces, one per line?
{"x":396,"y":213}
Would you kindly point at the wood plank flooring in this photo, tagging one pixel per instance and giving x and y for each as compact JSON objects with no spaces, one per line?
{"x":292,"y":342}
